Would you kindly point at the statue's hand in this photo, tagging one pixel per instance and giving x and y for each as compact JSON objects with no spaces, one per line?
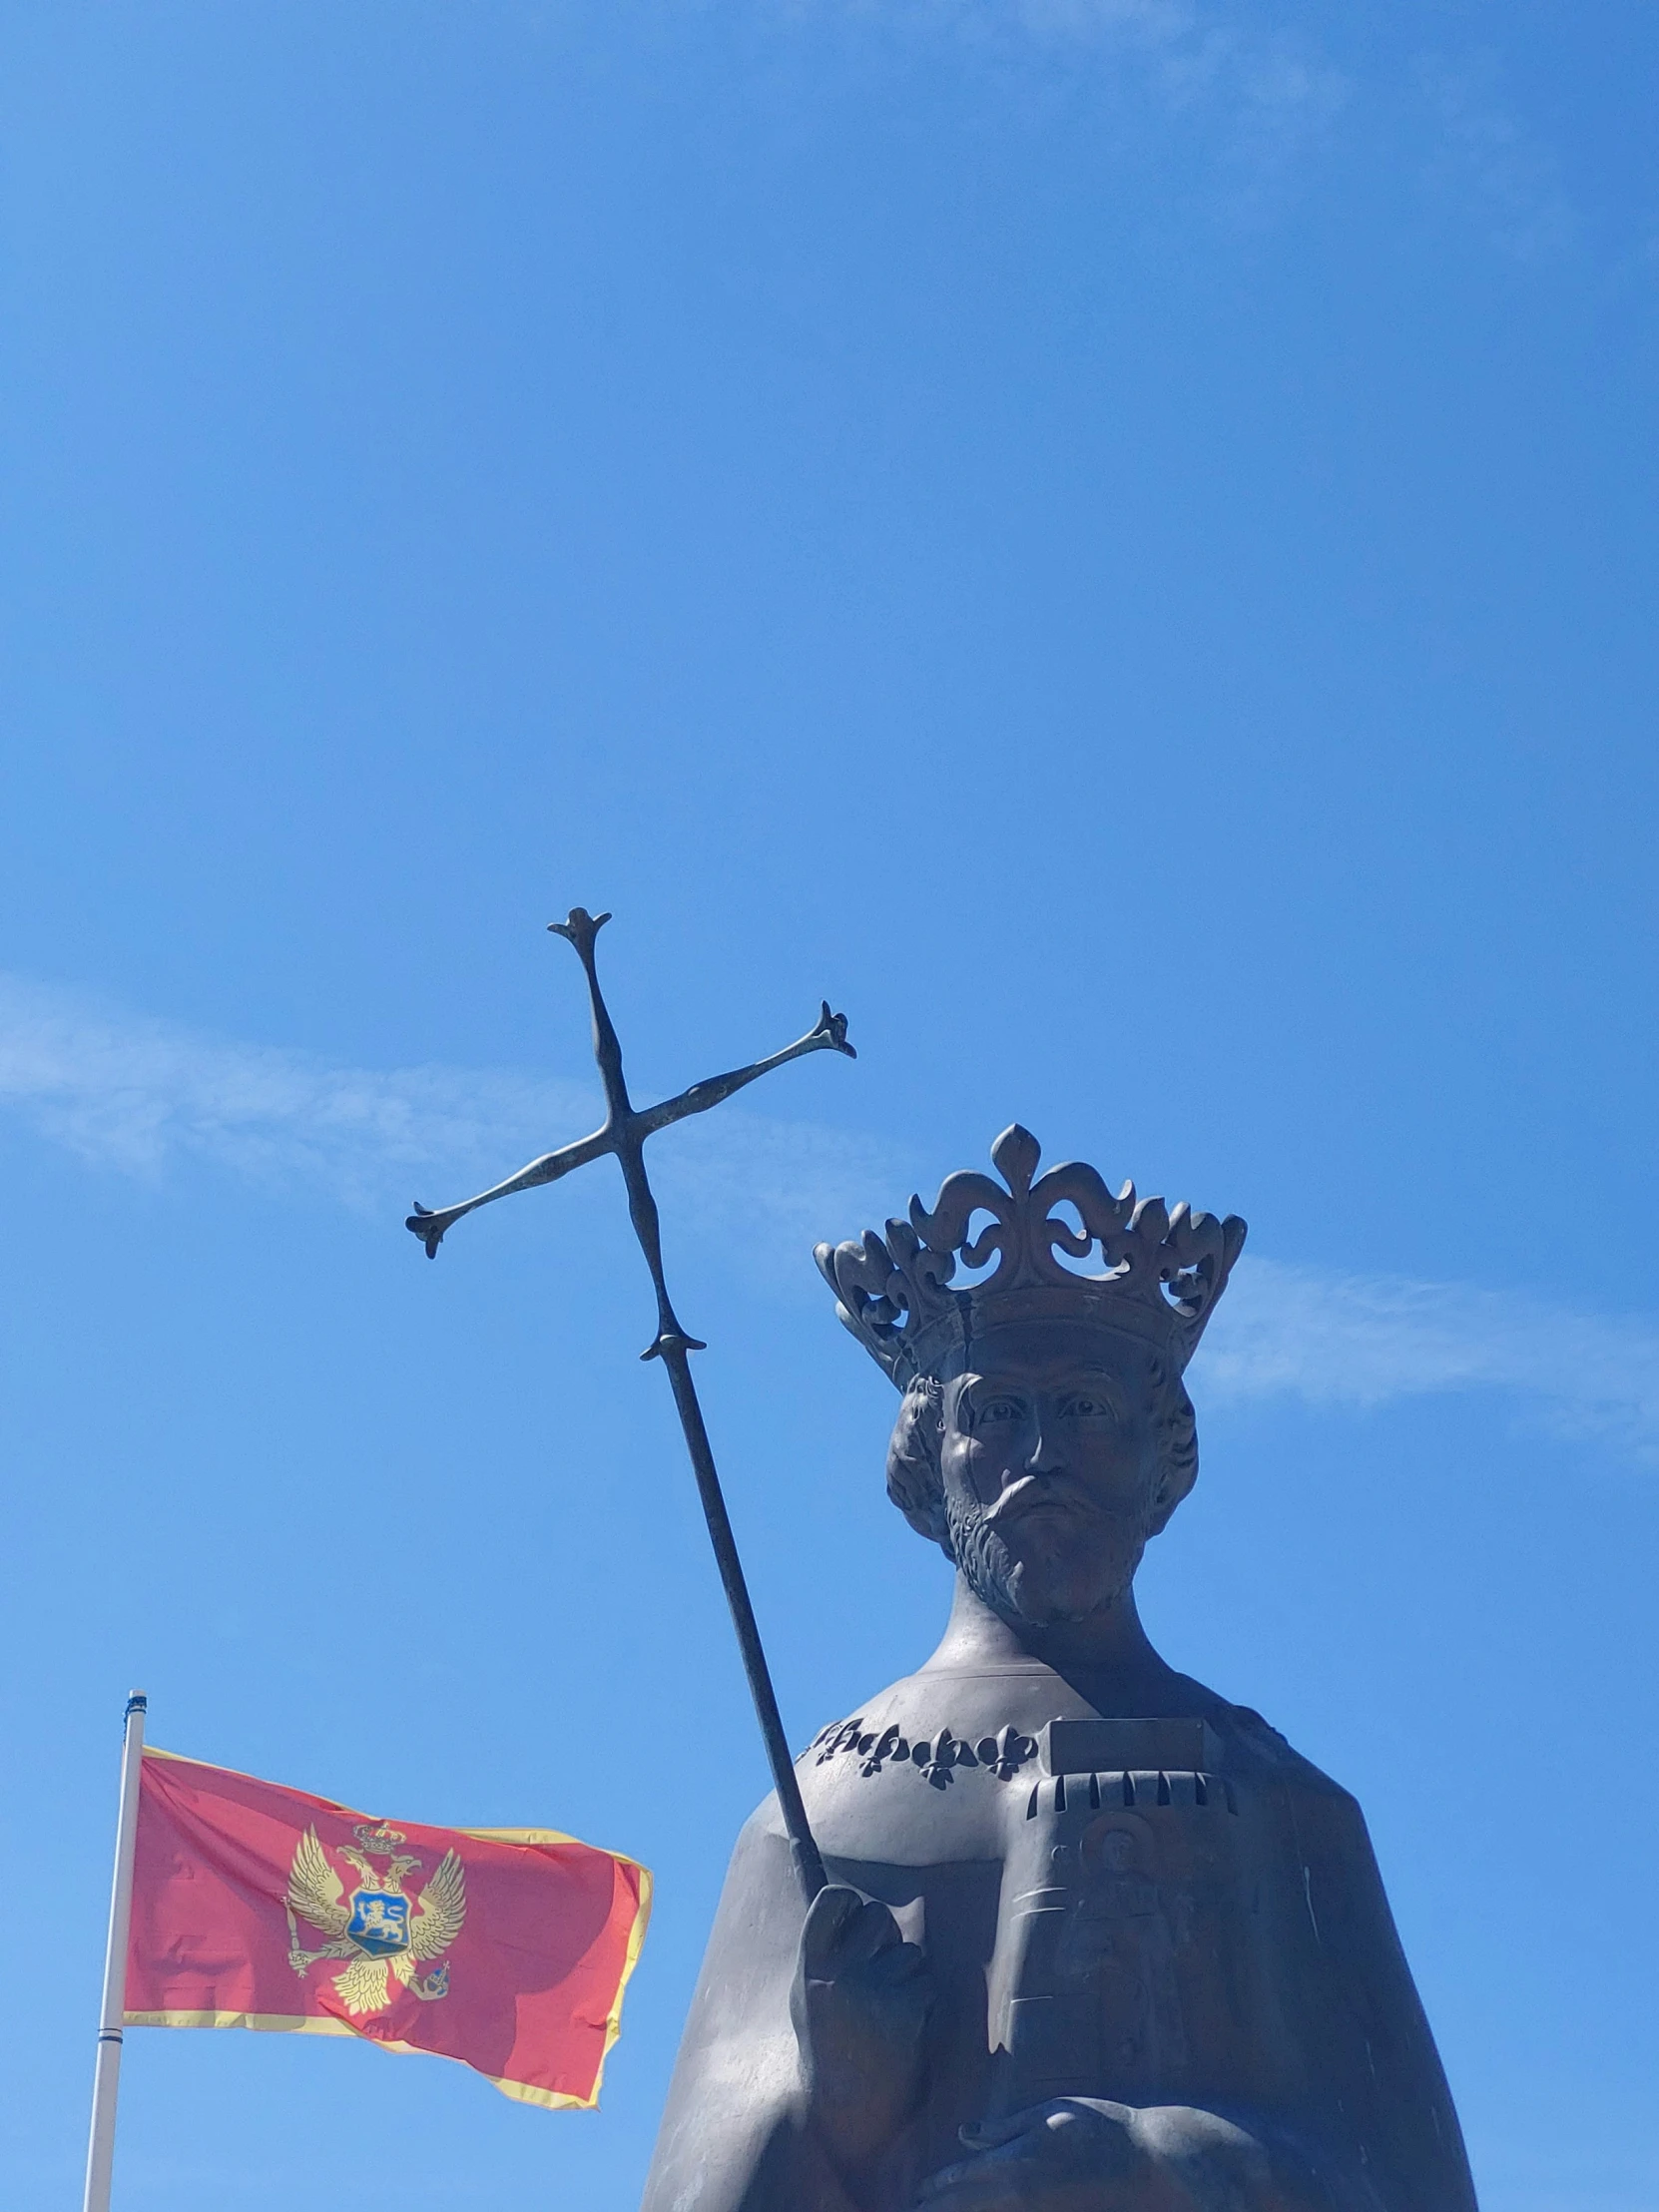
{"x":860,"y":2006}
{"x":1075,"y":2154}
{"x":1087,"y":2154}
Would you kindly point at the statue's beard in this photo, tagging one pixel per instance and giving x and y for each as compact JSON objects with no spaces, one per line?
{"x":1006,"y":1583}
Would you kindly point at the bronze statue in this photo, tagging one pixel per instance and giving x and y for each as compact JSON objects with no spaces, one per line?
{"x":1095,"y":1940}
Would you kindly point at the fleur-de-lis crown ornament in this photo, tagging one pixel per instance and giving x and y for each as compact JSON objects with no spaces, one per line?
{"x":1162,"y":1269}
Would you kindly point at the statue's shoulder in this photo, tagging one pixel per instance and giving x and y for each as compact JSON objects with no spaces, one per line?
{"x":1255,"y":1750}
{"x":916,"y":1772}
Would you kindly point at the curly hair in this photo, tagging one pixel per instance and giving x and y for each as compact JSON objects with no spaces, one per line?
{"x":916,"y":1487}
{"x":913,"y":1480}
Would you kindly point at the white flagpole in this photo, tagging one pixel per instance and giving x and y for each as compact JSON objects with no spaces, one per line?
{"x":107,"y":2078}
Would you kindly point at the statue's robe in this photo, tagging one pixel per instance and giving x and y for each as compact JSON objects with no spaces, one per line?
{"x":1170,"y":1912}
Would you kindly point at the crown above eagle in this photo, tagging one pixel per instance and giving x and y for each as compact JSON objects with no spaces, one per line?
{"x":380,"y":1838}
{"x":1164,"y":1268}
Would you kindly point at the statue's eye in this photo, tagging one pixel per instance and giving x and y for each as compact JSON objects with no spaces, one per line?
{"x":1000,"y":1409}
{"x":1084,"y":1407}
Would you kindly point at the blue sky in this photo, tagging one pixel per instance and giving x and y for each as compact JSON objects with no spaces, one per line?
{"x":1112,"y":538}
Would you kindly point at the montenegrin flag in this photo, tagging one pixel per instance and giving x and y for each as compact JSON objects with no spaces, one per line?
{"x":257,"y":1907}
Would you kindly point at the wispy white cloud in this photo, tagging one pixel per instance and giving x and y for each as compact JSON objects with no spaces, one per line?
{"x":1263,"y":92}
{"x":1255,"y":97}
{"x":1489,"y":160}
{"x":1362,"y":1341}
{"x":130,"y":1093}
{"x":138,"y":1096}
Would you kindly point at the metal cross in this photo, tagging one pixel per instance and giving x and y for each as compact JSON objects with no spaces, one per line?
{"x":623,"y":1132}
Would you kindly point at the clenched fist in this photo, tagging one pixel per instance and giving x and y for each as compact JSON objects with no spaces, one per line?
{"x":859,"y":2006}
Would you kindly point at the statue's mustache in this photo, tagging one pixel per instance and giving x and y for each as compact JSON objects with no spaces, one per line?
{"x":1035,"y":1493}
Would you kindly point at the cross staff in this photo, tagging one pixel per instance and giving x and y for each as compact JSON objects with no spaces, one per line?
{"x":623,"y":1132}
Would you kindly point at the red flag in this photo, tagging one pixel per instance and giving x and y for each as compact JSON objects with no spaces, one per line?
{"x":258,"y":1907}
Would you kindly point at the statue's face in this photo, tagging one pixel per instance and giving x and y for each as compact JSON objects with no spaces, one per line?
{"x":1049,"y":1460}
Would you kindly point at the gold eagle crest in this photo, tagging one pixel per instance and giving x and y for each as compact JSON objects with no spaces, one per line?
{"x":377,"y":1927}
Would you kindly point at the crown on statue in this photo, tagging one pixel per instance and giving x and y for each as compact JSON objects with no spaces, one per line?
{"x":1164,"y":1269}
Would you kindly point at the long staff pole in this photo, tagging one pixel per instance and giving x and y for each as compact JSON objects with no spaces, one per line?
{"x":623,"y":1132}
{"x":106,"y":2078}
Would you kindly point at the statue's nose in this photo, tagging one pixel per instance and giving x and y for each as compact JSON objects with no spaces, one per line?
{"x":1044,"y":1458}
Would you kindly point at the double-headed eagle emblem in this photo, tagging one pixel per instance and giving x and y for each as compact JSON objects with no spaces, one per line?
{"x":377,"y":1927}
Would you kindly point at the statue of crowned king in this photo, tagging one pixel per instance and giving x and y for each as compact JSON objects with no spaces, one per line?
{"x":1095,"y":1940}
